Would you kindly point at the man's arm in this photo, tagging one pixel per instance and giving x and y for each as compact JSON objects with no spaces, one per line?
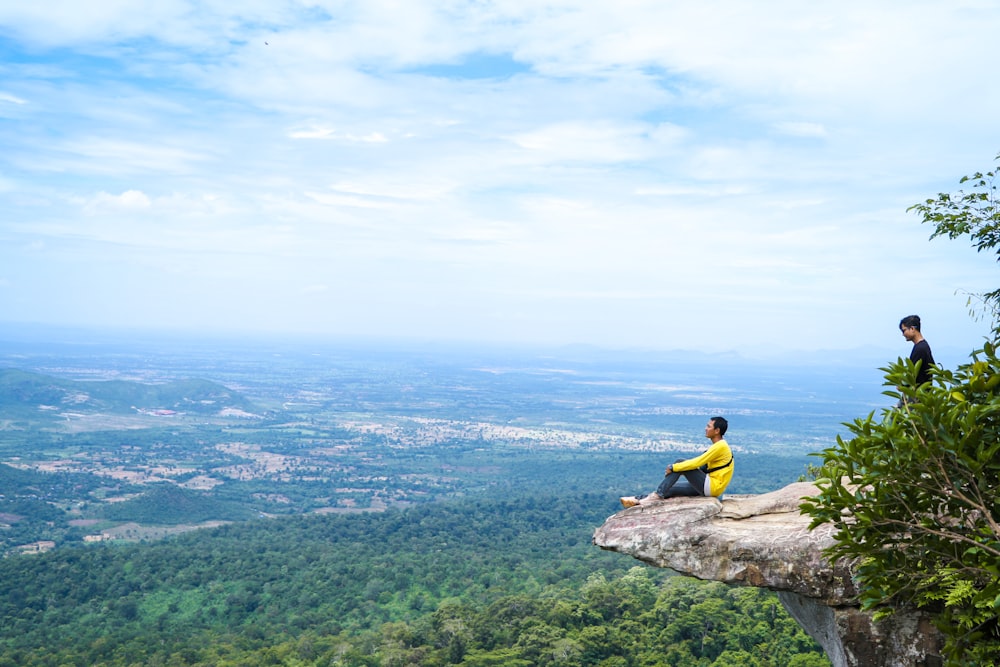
{"x":690,"y":464}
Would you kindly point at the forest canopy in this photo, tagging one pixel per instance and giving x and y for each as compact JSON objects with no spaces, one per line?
{"x":481,"y":582}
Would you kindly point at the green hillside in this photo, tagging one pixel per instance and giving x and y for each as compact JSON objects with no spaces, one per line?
{"x":25,"y":394}
{"x":167,"y":504}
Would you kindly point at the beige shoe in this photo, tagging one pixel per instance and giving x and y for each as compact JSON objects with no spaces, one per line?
{"x":629,"y":501}
{"x":650,"y":499}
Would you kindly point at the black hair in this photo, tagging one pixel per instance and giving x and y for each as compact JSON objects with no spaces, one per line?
{"x":721,"y":424}
{"x":910,"y":321}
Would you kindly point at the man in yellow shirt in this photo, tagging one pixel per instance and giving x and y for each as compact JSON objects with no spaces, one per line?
{"x":705,"y":475}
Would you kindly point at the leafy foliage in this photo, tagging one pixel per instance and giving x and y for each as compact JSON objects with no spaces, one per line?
{"x":913,"y":497}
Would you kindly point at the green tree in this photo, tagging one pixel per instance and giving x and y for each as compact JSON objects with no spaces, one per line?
{"x":974,"y":213}
{"x":913,"y":495}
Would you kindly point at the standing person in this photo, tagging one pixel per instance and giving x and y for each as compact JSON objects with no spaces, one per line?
{"x":705,"y":475}
{"x":921,"y":352}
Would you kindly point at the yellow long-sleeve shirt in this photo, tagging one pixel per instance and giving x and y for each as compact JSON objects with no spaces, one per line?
{"x":715,"y":456}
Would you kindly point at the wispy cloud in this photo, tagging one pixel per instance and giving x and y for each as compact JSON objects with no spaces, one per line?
{"x":11,"y":99}
{"x":592,"y":172}
{"x":332,"y":134}
{"x":802,"y":129}
{"x":128,"y":200}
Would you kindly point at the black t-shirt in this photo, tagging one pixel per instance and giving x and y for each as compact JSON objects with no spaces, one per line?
{"x":922,"y":352}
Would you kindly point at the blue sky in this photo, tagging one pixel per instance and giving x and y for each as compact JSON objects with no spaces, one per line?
{"x":710,"y":176}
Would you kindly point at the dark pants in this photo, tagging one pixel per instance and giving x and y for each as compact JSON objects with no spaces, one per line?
{"x":693,"y":484}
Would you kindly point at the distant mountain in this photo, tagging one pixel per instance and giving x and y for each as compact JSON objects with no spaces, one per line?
{"x":23,"y":392}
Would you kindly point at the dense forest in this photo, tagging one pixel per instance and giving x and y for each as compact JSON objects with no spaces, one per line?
{"x":496,"y":581}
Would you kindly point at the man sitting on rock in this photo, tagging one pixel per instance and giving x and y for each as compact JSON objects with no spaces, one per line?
{"x":705,"y":475}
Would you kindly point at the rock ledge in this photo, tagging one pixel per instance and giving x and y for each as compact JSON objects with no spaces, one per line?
{"x":765,"y":541}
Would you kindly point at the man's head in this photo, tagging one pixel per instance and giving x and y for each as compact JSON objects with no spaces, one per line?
{"x":910,"y":328}
{"x":910,"y":321}
{"x":716,"y":426}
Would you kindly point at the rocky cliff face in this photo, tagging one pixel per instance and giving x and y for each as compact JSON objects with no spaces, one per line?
{"x":764,"y":541}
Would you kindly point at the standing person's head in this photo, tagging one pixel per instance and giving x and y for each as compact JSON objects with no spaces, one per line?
{"x":910,"y":327}
{"x":716,"y":428}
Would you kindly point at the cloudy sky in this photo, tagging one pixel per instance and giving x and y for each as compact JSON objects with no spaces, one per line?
{"x":707,"y":175}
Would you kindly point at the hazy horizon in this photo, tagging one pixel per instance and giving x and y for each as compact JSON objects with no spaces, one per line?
{"x":863,"y":357}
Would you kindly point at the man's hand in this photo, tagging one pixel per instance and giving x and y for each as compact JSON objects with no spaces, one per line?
{"x":670,"y":469}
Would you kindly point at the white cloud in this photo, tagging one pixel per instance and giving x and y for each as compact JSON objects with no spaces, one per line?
{"x":130,"y":200}
{"x":412,"y":189}
{"x":692,"y":191}
{"x":802,"y":129}
{"x":12,"y":99}
{"x":335,"y":199}
{"x":646,"y":157}
{"x":590,"y":142}
{"x":330,"y":133}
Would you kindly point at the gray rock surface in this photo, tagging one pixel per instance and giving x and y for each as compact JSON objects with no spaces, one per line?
{"x":765,"y":541}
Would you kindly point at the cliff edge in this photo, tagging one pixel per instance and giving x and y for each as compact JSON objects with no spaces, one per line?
{"x":765,"y":541}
